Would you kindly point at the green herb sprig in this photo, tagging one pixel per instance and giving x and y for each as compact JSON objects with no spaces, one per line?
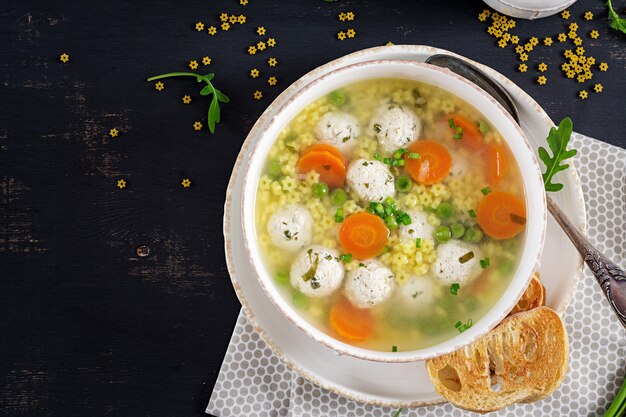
{"x":616,"y":22}
{"x":558,"y":139}
{"x":213,"y":115}
{"x":618,"y":407}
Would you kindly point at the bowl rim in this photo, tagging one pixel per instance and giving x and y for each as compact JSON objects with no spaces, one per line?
{"x":518,"y":284}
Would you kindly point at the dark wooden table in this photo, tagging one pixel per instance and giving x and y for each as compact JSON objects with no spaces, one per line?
{"x":88,"y":327}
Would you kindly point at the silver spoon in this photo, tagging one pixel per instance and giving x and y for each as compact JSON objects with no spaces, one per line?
{"x":611,"y":278}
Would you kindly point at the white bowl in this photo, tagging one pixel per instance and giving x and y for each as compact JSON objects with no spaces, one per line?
{"x":497,"y":117}
{"x":530,"y":9}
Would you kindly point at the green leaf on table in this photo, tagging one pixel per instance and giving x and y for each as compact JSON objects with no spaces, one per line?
{"x":213,"y":115}
{"x":221,"y":96}
{"x":616,"y":22}
{"x":557,"y":139}
{"x":206,"y":90}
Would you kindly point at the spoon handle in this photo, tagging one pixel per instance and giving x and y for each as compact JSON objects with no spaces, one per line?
{"x":611,"y":278}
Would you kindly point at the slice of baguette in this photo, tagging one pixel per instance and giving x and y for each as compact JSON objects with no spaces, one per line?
{"x":523,"y":359}
{"x":534,"y":296}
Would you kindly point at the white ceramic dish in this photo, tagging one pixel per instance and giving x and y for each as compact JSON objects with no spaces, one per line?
{"x":530,"y":9}
{"x":497,"y":116}
{"x":385,"y":384}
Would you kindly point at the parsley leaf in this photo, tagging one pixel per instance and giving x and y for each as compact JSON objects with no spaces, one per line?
{"x":617,"y":22}
{"x":558,"y":139}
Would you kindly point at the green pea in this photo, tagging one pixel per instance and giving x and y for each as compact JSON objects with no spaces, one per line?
{"x":473,"y":235}
{"x":403,"y":184}
{"x":282,"y":277}
{"x":274,"y":169}
{"x":457,"y":230}
{"x":391,"y":221}
{"x":337,"y":98}
{"x":445,"y":210}
{"x":338,"y":197}
{"x":506,"y":266}
{"x":320,"y":189}
{"x":300,"y":300}
{"x":442,"y":234}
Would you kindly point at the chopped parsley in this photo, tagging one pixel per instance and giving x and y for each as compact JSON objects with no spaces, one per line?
{"x":345,"y":258}
{"x":484,"y":263}
{"x":458,"y":131}
{"x":394,"y":348}
{"x":485,"y":190}
{"x":418,"y":242}
{"x":461,"y":327}
{"x":472,"y":213}
{"x":454,"y":288}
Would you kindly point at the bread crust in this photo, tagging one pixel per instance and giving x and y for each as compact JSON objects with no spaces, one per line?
{"x":533,"y":297}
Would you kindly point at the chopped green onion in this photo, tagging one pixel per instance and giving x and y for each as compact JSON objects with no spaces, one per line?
{"x":274,"y":169}
{"x":401,"y":163}
{"x":338,"y":197}
{"x":483,"y":127}
{"x":472,"y":213}
{"x":414,"y":155}
{"x":473,"y":235}
{"x":361,"y":264}
{"x":282,"y":277}
{"x":346,"y":258}
{"x":319,"y":189}
{"x":339,"y":215}
{"x":454,"y":288}
{"x":387,"y":161}
{"x":429,"y":209}
{"x":391,"y":222}
{"x":442,"y":234}
{"x":445,"y":210}
{"x":337,"y":98}
{"x":403,"y":184}
{"x":451,"y":123}
{"x":461,"y":327}
{"x":485,"y":190}
{"x":397,"y":414}
{"x":457,"y":230}
{"x":467,"y":257}
{"x":458,"y":136}
{"x":405,"y":219}
{"x":378,"y":157}
{"x":418,"y":242}
{"x":394,"y":348}
{"x":484,"y":263}
{"x":397,"y":155}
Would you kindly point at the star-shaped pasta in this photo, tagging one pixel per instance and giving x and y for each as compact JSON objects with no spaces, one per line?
{"x":565,"y":14}
{"x":591,"y":60}
{"x":224,"y":17}
{"x":199,"y":26}
{"x":121,"y":184}
{"x":547,"y":41}
{"x":581,"y":78}
{"x":350,"y":33}
{"x":186,"y":183}
{"x":225,"y":26}
{"x":114,"y":132}
{"x":570,"y":74}
{"x":197,"y":126}
{"x":588,"y":16}
{"x":272,"y":80}
{"x":603,"y":66}
{"x":528,"y":47}
{"x":258,"y":95}
{"x":186,"y":99}
{"x":502,"y":43}
{"x":533,"y":41}
{"x":243,"y":2}
{"x":542,"y":67}
{"x":64,"y":58}
{"x":541,"y":80}
{"x":342,"y":16}
{"x":206,"y":60}
{"x":341,"y":35}
{"x":514,"y":39}
{"x":271,"y":42}
{"x":580,"y":50}
{"x":598,"y":88}
{"x":565,"y":67}
{"x":232,"y":19}
{"x":572,"y":34}
{"x":389,"y":43}
{"x":562,"y":37}
{"x":193,"y":64}
{"x":261,"y":46}
{"x":594,"y":34}
{"x":583,"y":94}
{"x":519,"y":49}
{"x":252,"y":50}
{"x":241,"y":19}
{"x":578,"y":41}
{"x":254,"y":73}
{"x":272,"y":62}
{"x":522,"y":67}
{"x":159,"y":85}
{"x":260,"y":31}
{"x":212,"y":30}
{"x":349,"y":16}
{"x":523,"y":57}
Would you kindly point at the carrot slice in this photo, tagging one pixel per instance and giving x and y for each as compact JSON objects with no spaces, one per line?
{"x":326,"y":148}
{"x":471,"y":136}
{"x":331,"y":169}
{"x":501,"y":215}
{"x":496,"y":163}
{"x":350,"y":322}
{"x":364,"y":235}
{"x":432,"y":166}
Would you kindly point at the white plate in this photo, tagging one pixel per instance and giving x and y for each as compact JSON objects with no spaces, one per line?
{"x":400,"y":384}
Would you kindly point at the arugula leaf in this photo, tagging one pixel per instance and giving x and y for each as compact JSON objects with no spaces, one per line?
{"x":617,"y":23}
{"x":214,"y":113}
{"x":558,"y":139}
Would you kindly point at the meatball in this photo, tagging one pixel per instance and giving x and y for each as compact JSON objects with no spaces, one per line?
{"x":317,"y":271}
{"x":418,"y":291}
{"x":395,"y":127}
{"x":369,"y":284}
{"x":339,"y":129}
{"x":456,"y":262}
{"x":371,"y":180}
{"x":291,"y":228}
{"x":419,"y":227}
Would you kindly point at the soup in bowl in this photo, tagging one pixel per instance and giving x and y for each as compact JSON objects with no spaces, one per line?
{"x":393,"y":211}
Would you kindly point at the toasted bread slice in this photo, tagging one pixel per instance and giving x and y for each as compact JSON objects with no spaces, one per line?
{"x":534,"y":296}
{"x":523,"y":359}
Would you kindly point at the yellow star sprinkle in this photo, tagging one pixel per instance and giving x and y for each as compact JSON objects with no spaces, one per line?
{"x":254,"y":73}
{"x":502,"y":43}
{"x":572,"y":34}
{"x":350,"y":33}
{"x":583,"y":94}
{"x":482,"y":17}
{"x":349,"y":16}
{"x":522,"y":67}
{"x":594,"y":34}
{"x":243,"y":2}
{"x":598,"y":88}
{"x":272,"y":62}
{"x":533,"y":41}
{"x":565,"y":14}
{"x":490,"y":30}
{"x":588,"y":15}
{"x":341,"y":35}
{"x":568,"y":53}
{"x":342,"y":16}
{"x":389,"y":43}
{"x":272,"y":80}
{"x":523,"y":57}
{"x":547,"y":41}
{"x":514,"y":39}
{"x":224,"y":17}
{"x":197,"y":126}
{"x":225,"y":26}
{"x":497,"y":33}
{"x":528,"y":47}
{"x":580,"y":50}
{"x":206,"y":60}
{"x":562,"y":37}
{"x":578,"y":41}
{"x":186,"y":99}
{"x":573,"y":27}
{"x":159,"y":85}
{"x":260,"y":46}
{"x":519,"y":49}
{"x":193,"y":64}
{"x":241,"y":19}
{"x":511,"y":23}
{"x":114,"y":132}
{"x":186,"y":183}
{"x":64,"y":58}
{"x":199,"y":26}
{"x":581,"y":78}
{"x":121,"y":184}
{"x":252,"y":50}
{"x":588,"y":75}
{"x":212,"y":30}
{"x":232,"y":19}
{"x":541,"y":80}
{"x":271,"y":42}
{"x":542,"y":67}
{"x":260,"y":31}
{"x":603,"y":66}
{"x":565,"y":67}
{"x":258,"y":95}
{"x":591,"y":60}
{"x":570,"y":74}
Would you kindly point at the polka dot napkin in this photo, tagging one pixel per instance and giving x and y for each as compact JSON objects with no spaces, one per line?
{"x":254,"y":383}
